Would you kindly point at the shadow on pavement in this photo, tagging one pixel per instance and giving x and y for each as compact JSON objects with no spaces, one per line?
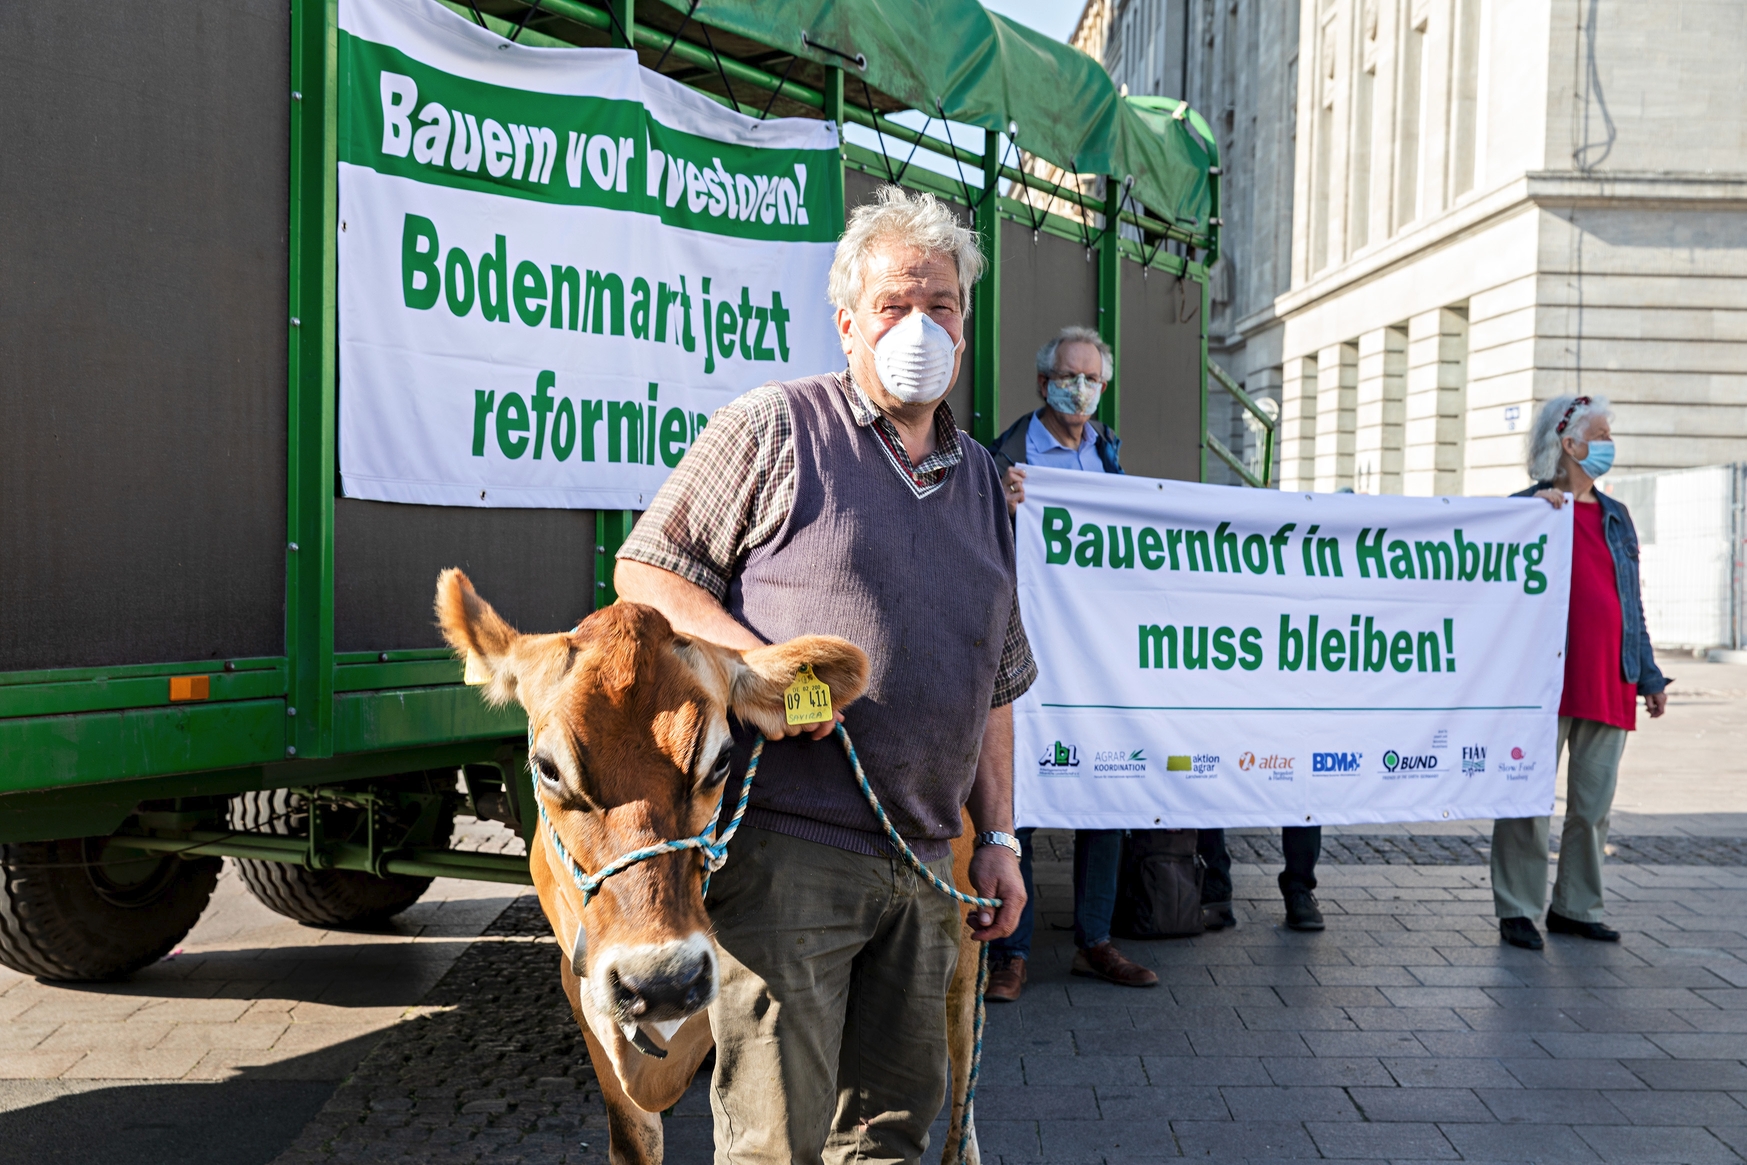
{"x":246,"y":1120}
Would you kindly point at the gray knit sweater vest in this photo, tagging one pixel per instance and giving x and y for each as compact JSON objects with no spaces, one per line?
{"x":924,"y":586}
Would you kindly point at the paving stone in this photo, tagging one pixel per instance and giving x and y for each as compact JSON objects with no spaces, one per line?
{"x":1432,"y":1072}
{"x":1550,"y":1106}
{"x":1537,"y":1143}
{"x":1341,"y":1071}
{"x":1683,"y":1145}
{"x":1420,"y":1104}
{"x":1670,"y":1107}
{"x":1420,"y":1142}
{"x":1243,"y":1139}
{"x":1546,"y":1072}
{"x":1302,"y":1104}
{"x":1718,"y":1075}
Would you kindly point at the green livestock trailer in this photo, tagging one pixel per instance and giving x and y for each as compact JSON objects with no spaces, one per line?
{"x":206,"y":650}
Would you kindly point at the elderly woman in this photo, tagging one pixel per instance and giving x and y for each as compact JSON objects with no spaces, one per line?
{"x":850,"y":504}
{"x":1608,"y":665}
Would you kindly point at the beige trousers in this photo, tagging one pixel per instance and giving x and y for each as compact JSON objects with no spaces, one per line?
{"x":1519,"y":844}
{"x":831,"y":1019}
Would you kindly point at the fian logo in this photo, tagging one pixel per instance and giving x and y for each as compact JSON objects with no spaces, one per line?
{"x":1473,"y":758}
{"x":1119,"y":762}
{"x":1335,"y":762}
{"x":1397,"y":763}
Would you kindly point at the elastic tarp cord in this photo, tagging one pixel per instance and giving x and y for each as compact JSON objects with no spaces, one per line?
{"x":613,"y":15}
{"x":529,"y":15}
{"x":675,"y":38}
{"x":777,"y":92}
{"x":867,"y":95}
{"x":972,"y":204}
{"x":1032,"y":214}
{"x":1085,"y":215}
{"x":914,"y":146}
{"x":474,"y":4}
{"x":721,"y":69}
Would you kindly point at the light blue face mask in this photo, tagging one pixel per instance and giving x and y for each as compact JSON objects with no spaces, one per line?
{"x":1600,"y":459}
{"x":1074,"y":396}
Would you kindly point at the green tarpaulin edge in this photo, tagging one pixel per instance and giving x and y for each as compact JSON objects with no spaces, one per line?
{"x":954,"y":57}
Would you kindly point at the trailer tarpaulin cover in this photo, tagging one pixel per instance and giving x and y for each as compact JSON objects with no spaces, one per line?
{"x":1222,"y":657}
{"x":554,"y":264}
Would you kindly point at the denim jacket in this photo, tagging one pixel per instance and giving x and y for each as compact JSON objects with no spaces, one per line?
{"x":1009,"y":447}
{"x":1637,"y":662}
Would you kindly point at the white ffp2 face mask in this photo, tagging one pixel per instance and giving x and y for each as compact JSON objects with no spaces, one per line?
{"x":915,"y":359}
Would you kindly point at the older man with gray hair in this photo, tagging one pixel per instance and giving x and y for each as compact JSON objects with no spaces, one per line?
{"x":850,"y":504}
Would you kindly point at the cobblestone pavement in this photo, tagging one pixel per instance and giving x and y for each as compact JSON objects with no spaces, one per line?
{"x":1392,"y":849}
{"x":1404,"y":1032}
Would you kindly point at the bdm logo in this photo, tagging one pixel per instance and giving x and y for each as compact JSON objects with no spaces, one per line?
{"x":1336,"y":762}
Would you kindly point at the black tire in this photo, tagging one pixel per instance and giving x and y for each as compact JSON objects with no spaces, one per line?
{"x":87,"y":910}
{"x":336,"y":898}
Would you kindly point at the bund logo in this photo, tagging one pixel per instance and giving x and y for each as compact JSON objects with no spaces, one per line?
{"x":1335,"y":762}
{"x":1396,"y":763}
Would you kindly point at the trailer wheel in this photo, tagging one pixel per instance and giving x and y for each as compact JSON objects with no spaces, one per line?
{"x":89,"y":909}
{"x":340,"y":898}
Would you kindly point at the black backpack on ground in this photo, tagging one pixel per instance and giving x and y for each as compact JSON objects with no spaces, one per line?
{"x":1158,"y":891}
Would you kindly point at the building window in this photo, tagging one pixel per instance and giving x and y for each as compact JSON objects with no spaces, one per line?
{"x":1467,"y":95}
{"x":1408,"y":117}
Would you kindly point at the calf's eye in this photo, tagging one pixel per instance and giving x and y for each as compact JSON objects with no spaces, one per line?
{"x":719,"y":772}
{"x":548,"y":773}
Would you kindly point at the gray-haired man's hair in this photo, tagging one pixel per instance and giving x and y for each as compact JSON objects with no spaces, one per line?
{"x":899,"y":217}
{"x":1075,"y":334}
{"x":1544,"y":435}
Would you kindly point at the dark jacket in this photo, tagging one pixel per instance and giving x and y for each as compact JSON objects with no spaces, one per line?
{"x":1009,"y":447}
{"x":1637,"y":661}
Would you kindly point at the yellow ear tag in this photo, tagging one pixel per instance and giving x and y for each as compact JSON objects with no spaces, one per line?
{"x":475,"y":673}
{"x":808,"y":699}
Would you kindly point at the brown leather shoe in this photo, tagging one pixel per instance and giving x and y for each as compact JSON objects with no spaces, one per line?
{"x":1006,"y":980}
{"x":1105,"y":962}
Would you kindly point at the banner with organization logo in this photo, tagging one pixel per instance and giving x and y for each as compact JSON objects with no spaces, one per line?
{"x":555,"y":264}
{"x":1211,"y":656}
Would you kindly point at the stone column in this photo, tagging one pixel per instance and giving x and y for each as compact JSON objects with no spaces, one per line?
{"x":1381,"y":411}
{"x":1337,"y":392}
{"x":1297,"y":436}
{"x":1437,"y":391}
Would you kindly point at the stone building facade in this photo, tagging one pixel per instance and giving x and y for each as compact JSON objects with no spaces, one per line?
{"x":1441,"y":212}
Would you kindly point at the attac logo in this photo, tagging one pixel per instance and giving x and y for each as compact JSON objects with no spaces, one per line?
{"x":1335,"y":762}
{"x":1473,"y":758}
{"x":1273,"y":764}
{"x":1396,"y":763}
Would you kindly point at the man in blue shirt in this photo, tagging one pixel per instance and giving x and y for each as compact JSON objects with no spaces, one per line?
{"x":1072,"y":370}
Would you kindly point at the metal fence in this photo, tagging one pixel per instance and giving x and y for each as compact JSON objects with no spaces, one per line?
{"x":1691,"y":529}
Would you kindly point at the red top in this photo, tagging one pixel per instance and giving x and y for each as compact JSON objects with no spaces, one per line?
{"x":1594,"y":687}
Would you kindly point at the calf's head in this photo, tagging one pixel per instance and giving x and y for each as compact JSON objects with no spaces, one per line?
{"x":629,"y":746}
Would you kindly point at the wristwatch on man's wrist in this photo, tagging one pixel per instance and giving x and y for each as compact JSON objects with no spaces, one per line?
{"x":996,"y":837}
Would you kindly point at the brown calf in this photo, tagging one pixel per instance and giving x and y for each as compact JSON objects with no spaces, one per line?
{"x":629,"y":746}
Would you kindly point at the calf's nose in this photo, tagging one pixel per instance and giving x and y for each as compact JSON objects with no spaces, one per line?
{"x":666,"y":990}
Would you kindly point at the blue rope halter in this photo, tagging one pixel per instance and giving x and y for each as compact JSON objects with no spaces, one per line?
{"x":715,"y":853}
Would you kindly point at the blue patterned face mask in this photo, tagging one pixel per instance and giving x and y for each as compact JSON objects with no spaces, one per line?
{"x":1600,"y":459}
{"x":1074,"y":396}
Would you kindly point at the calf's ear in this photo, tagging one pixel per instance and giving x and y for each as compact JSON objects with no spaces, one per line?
{"x":478,"y":634}
{"x":765,"y":672}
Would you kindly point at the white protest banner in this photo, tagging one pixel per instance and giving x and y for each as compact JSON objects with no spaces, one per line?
{"x":1211,"y":656}
{"x":555,"y":264}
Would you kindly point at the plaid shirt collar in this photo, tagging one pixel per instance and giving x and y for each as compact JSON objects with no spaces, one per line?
{"x":927,"y":476}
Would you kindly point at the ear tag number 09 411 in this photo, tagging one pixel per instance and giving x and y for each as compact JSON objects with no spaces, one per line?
{"x":807,"y":700}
